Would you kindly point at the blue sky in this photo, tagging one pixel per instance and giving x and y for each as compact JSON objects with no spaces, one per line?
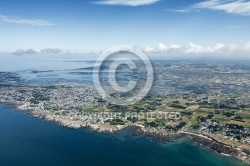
{"x":175,"y":26}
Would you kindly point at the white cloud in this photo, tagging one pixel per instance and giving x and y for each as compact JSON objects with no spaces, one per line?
{"x":48,"y":51}
{"x":149,"y":49}
{"x":127,"y":2}
{"x":242,"y":48}
{"x":173,"y":46}
{"x":18,"y":20}
{"x":234,"y":50}
{"x":241,"y":7}
{"x":22,"y":52}
{"x":179,"y":10}
{"x":191,"y":50}
{"x":161,"y":48}
{"x":232,"y":27}
{"x":197,"y":49}
{"x":36,"y":51}
{"x":51,"y":51}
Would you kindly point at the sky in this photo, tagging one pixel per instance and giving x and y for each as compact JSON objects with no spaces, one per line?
{"x":174,"y":27}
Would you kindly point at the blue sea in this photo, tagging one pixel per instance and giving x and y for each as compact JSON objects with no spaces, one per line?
{"x":29,"y":141}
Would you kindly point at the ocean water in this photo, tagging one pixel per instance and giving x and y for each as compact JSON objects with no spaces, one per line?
{"x":29,"y":141}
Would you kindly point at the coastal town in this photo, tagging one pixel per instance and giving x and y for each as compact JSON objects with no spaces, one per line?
{"x":213,"y":108}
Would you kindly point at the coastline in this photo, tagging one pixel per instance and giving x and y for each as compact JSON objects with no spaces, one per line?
{"x":203,"y":140}
{"x":206,"y":141}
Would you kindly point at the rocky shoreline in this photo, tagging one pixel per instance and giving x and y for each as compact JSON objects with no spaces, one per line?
{"x":219,"y":147}
{"x":157,"y":136}
{"x":222,"y":148}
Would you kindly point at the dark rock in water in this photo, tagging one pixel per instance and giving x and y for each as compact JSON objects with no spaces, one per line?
{"x":222,"y":148}
{"x":159,"y":137}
